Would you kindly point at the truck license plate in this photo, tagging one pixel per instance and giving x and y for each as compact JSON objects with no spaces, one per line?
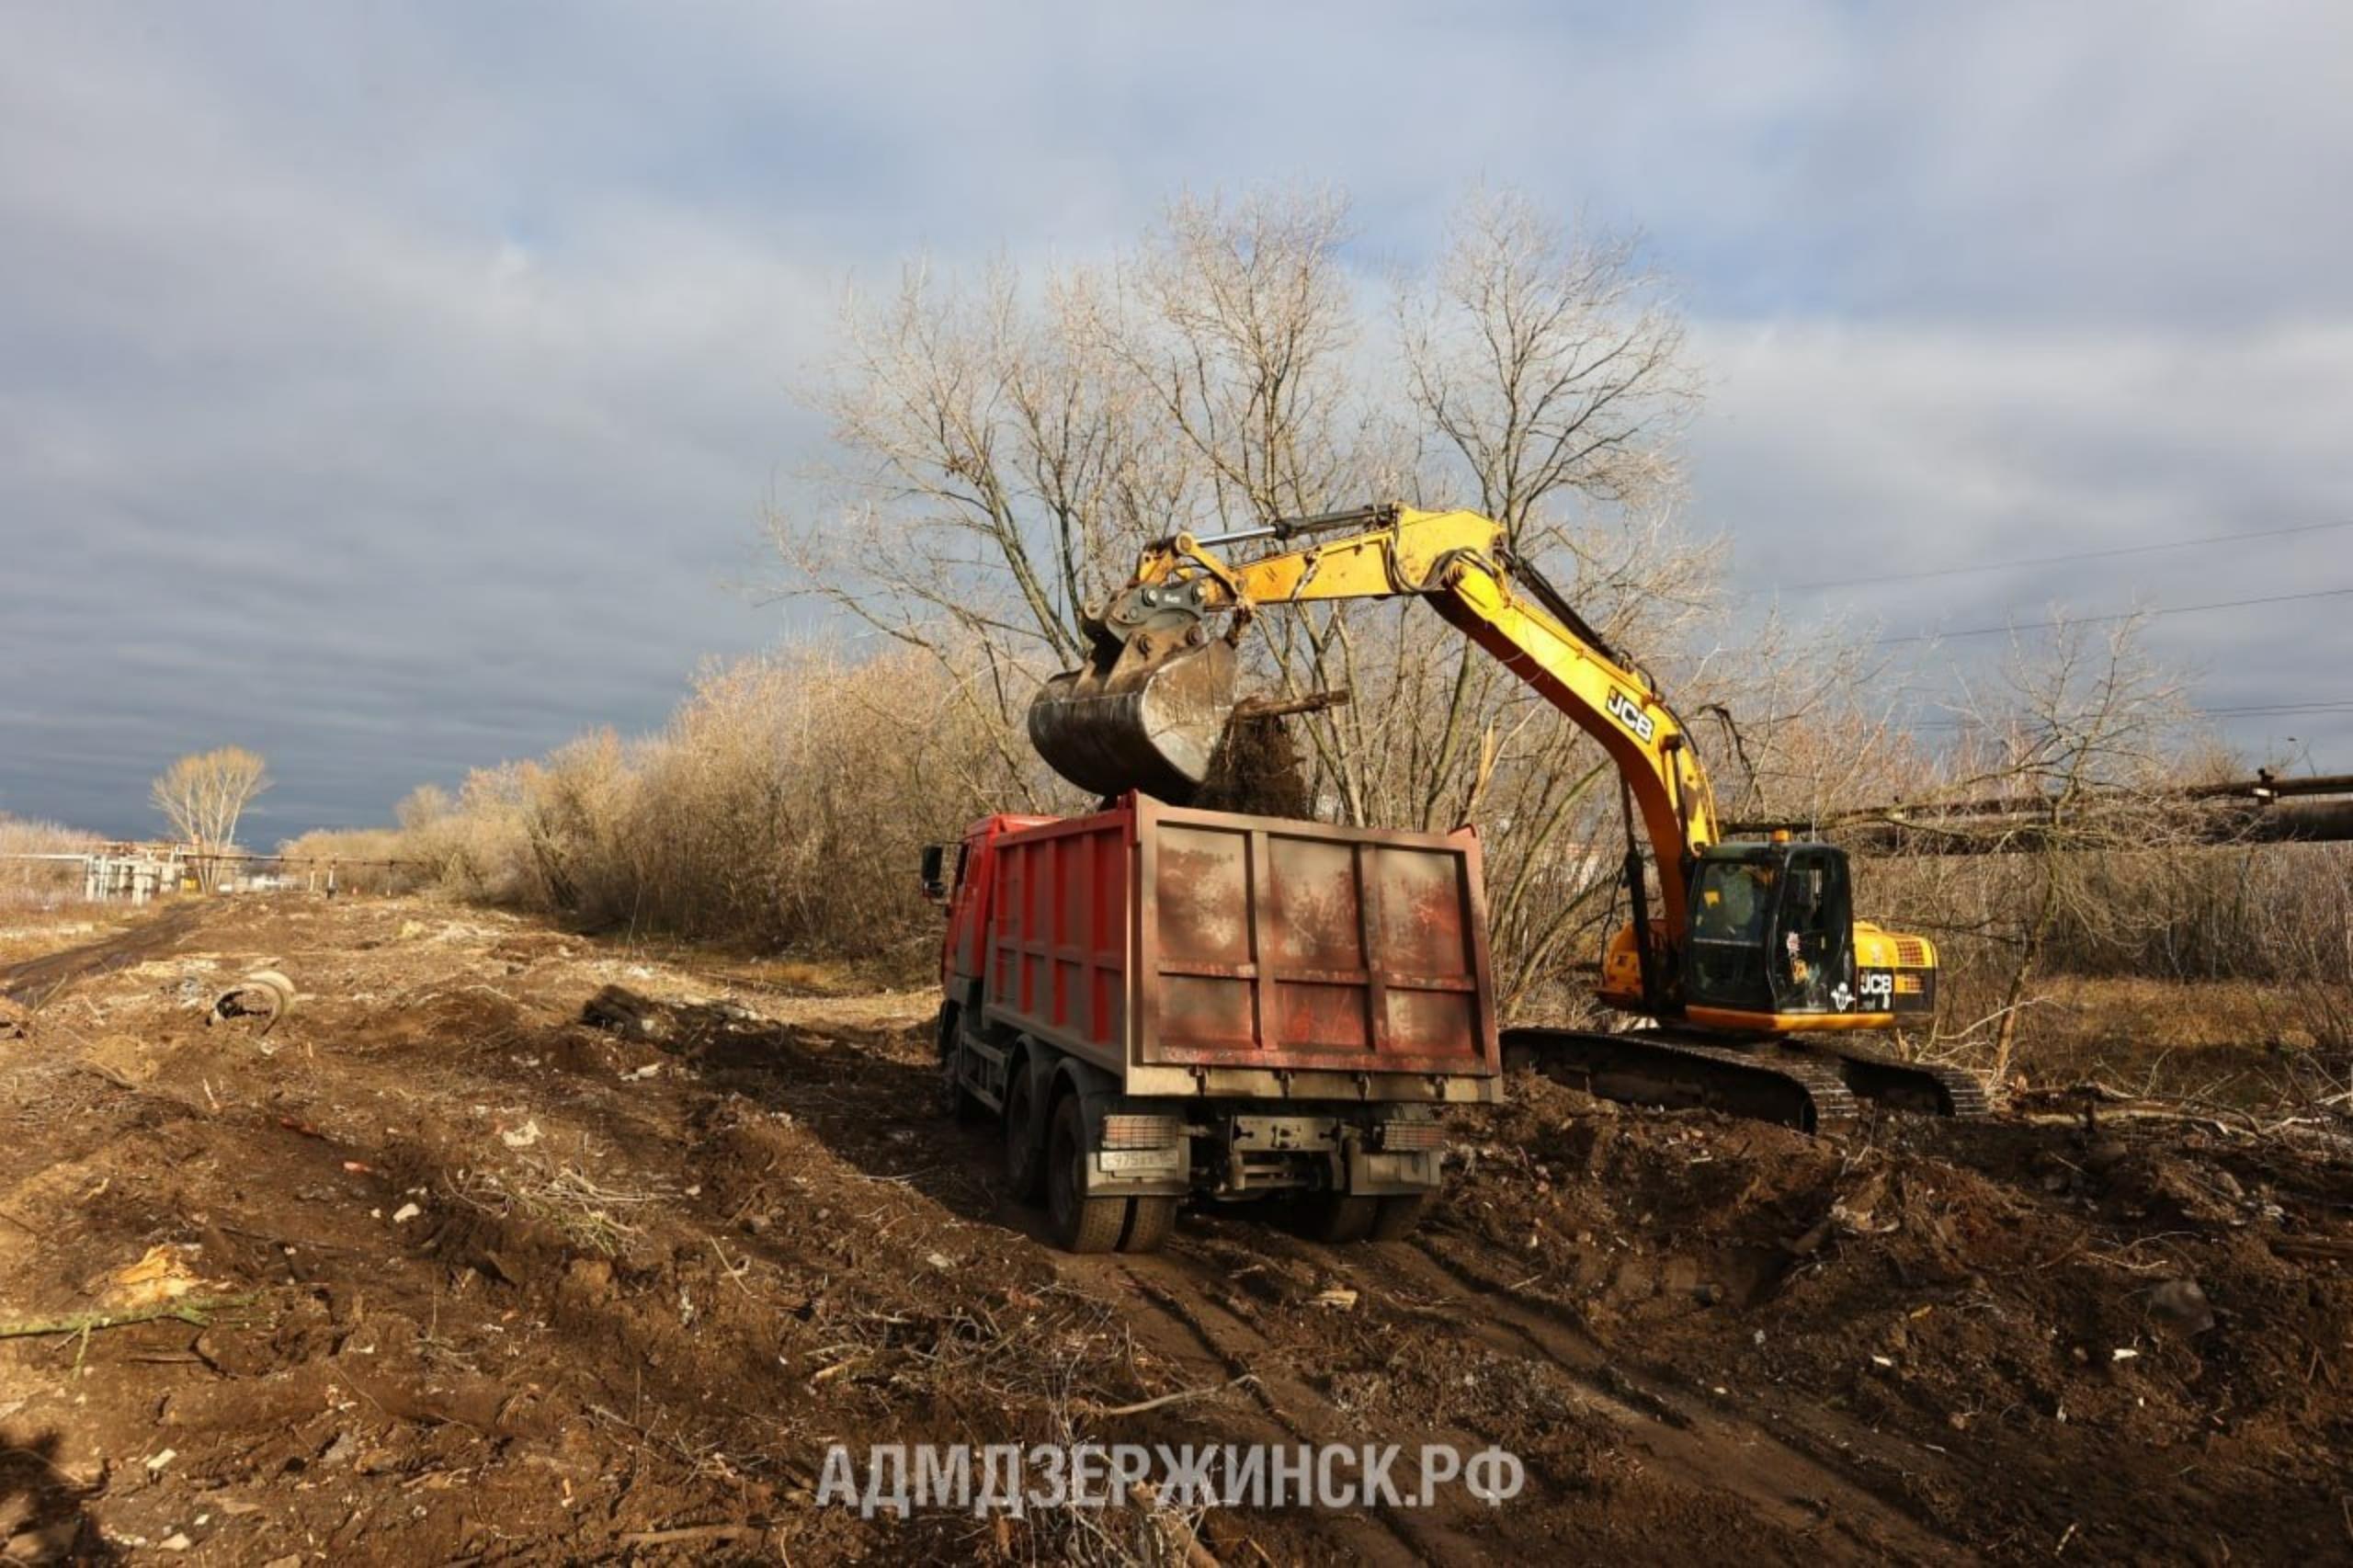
{"x":1134,"y":1159}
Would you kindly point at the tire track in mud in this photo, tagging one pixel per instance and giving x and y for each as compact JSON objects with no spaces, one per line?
{"x":38,"y":980}
{"x":1182,"y":1322}
{"x":1795,"y":1483}
{"x":1697,"y":1444}
{"x":1682,"y":1444}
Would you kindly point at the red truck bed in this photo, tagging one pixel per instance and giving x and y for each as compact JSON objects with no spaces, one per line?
{"x":1157,"y":937}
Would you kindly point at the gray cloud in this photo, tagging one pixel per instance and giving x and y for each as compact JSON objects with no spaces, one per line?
{"x":1838,"y":453}
{"x":392,"y":388}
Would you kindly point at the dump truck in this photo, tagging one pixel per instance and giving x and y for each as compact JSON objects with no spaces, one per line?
{"x":1153,"y":1002}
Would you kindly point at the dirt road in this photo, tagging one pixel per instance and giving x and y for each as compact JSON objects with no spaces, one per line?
{"x":502,"y":1284}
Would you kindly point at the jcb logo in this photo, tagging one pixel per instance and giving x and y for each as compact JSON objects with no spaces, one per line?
{"x":1628,"y":713}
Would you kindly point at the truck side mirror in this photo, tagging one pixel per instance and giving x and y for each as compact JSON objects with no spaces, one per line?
{"x":934,"y":872}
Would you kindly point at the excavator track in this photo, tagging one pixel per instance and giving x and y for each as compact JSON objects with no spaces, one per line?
{"x":1814,"y":1088}
{"x":1659,"y":1067}
{"x":1915,"y":1086}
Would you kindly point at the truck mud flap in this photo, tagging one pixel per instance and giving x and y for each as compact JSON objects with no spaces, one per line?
{"x":1386,"y":1173}
{"x":1136,"y":1149}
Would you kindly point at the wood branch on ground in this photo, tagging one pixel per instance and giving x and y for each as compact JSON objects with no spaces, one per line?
{"x":195,"y":1310}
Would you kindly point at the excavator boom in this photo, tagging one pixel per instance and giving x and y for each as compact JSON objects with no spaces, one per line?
{"x":1147,"y":709}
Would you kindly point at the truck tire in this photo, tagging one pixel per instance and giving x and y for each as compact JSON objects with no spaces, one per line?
{"x":1080,"y":1223}
{"x":1150,"y":1226}
{"x":1399,"y":1215}
{"x":956,"y":1102}
{"x":1337,"y":1218}
{"x":1025,"y":1142}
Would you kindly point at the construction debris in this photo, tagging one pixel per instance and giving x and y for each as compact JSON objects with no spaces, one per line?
{"x":2181,"y":1304}
{"x":265,"y":994}
{"x":163,"y":1274}
{"x":626,"y":1013}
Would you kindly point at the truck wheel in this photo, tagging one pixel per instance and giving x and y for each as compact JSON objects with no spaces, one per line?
{"x":1080,"y":1223}
{"x":1025,"y":1152}
{"x":1336,"y":1217}
{"x":1150,"y":1226}
{"x":1399,"y":1215}
{"x":956,"y":1101}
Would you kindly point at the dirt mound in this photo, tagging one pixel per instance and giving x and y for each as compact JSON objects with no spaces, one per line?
{"x":509,"y":1243}
{"x":2078,"y":1315}
{"x":1256,"y":769}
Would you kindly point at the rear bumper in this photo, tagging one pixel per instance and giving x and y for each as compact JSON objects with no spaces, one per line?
{"x":1360,"y":1150}
{"x":1482,"y":1087}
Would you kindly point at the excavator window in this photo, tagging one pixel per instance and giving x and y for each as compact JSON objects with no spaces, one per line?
{"x":1732,"y":902}
{"x":1814,"y":967}
{"x":1772,"y":929}
{"x":1732,"y":912}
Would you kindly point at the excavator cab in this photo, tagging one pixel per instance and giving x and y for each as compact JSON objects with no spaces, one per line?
{"x":1772,"y":930}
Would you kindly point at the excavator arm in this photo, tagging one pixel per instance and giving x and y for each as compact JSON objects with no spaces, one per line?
{"x":1459,"y":562}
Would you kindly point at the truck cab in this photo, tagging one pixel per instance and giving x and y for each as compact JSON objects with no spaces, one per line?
{"x":958,"y":877}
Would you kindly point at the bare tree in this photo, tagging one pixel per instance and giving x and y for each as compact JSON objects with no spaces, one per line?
{"x":1548,"y":373}
{"x":2070,"y":759}
{"x":203,"y":794}
{"x":1549,"y":362}
{"x":1004,"y":445}
{"x":990,"y":478}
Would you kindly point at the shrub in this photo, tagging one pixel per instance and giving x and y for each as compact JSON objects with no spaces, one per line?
{"x":782,"y":807}
{"x":42,"y":884}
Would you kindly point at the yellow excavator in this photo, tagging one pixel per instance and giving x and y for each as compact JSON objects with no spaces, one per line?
{"x":1753,"y":973}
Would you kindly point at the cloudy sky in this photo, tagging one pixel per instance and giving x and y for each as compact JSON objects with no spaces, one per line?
{"x":395,"y":389}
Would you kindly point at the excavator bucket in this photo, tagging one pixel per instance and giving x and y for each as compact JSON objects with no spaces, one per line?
{"x":1145,"y":713}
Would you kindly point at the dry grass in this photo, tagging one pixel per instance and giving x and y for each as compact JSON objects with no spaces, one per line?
{"x":846,"y":976}
{"x":2230,"y":1042}
{"x":779,"y":812}
{"x":35,"y":884}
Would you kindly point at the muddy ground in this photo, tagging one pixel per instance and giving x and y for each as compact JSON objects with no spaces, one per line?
{"x":499,"y":1284}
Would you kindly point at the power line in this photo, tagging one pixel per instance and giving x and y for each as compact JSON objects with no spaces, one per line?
{"x":2252,"y":710}
{"x":2104,"y":620}
{"x":2078,"y":555}
{"x":2284,"y":708}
